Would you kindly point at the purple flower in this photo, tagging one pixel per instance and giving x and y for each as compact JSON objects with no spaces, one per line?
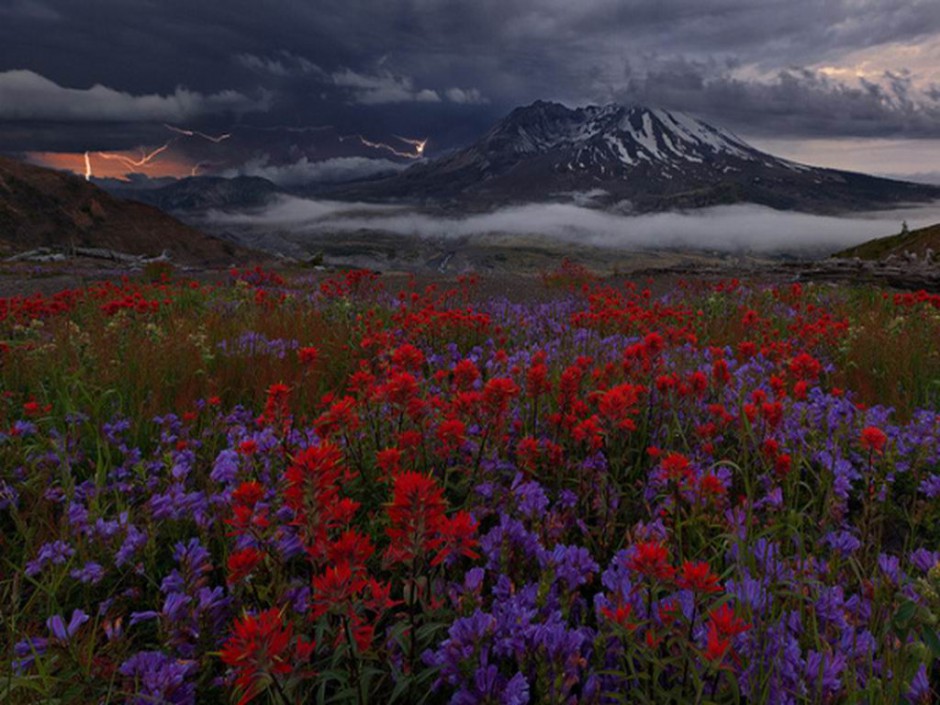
{"x":931,"y":486}
{"x":91,"y":573}
{"x":9,"y":497}
{"x":134,"y":540}
{"x":59,"y":630}
{"x":924,"y":560}
{"x":531,"y":498}
{"x":891,"y":567}
{"x":842,"y":542}
{"x":920,"y":690}
{"x":54,"y":552}
{"x":159,"y":678}
{"x":516,"y":691}
{"x":225,"y":468}
{"x":824,"y":673}
{"x":26,"y":652}
{"x":573,"y":565}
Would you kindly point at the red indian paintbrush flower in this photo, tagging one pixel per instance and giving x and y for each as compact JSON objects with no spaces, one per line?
{"x":415,"y":515}
{"x":242,"y":563}
{"x":723,"y":626}
{"x":873,"y":439}
{"x":651,"y":558}
{"x":698,"y":577}
{"x":260,"y":648}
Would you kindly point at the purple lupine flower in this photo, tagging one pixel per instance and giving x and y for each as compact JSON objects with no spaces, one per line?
{"x":26,"y":651}
{"x":182,"y":464}
{"x":842,"y":542}
{"x":930,"y":486}
{"x":134,"y":540}
{"x":59,"y":630}
{"x":225,"y":468}
{"x":749,"y":591}
{"x":9,"y":497}
{"x":193,"y":558}
{"x":91,"y":573}
{"x":823,"y":673}
{"x":516,"y":691}
{"x":146,"y":616}
{"x":54,"y":552}
{"x":78,"y":517}
{"x":159,"y":678}
{"x":175,"y":607}
{"x":891,"y":567}
{"x":573,"y":565}
{"x":830,"y":606}
{"x":924,"y":560}
{"x":920,"y":692}
{"x":531,"y":498}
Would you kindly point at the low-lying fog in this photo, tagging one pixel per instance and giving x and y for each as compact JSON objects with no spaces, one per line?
{"x":725,"y":228}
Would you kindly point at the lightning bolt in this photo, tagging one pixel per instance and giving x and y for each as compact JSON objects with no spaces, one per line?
{"x":87,"y":167}
{"x":196,"y":167}
{"x":419,"y":146}
{"x":196,"y":133}
{"x":144,"y":160}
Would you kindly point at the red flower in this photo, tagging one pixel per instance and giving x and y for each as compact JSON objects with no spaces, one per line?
{"x":242,"y":563}
{"x":698,"y":577}
{"x":727,"y":622}
{"x":465,"y":374}
{"x":248,"y":494}
{"x":259,"y":648}
{"x":873,"y":439}
{"x":537,"y":382}
{"x":723,"y":626}
{"x":451,"y":433}
{"x":351,"y":548}
{"x":336,"y":588}
{"x":497,"y":394}
{"x":312,"y":491}
{"x":276,"y":406}
{"x":408,"y":357}
{"x":675,"y":467}
{"x":710,"y":487}
{"x":455,"y":535}
{"x":620,"y":616}
{"x":308,"y":356}
{"x":651,"y":558}
{"x":415,"y":515}
{"x":716,"y":647}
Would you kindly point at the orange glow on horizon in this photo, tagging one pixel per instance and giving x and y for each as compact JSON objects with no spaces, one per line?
{"x":126,"y":163}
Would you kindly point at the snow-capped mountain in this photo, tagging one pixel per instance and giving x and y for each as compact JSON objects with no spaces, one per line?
{"x":631,"y":158}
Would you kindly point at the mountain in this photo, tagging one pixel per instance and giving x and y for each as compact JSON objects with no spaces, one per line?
{"x":923,"y":242}
{"x":628,"y":158}
{"x":40,"y":207}
{"x":203,"y":192}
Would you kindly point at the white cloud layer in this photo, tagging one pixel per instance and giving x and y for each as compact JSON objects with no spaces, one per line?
{"x":724,"y":228}
{"x":26,"y":95}
{"x":304,"y":171}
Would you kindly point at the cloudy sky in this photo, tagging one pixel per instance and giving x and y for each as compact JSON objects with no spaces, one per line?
{"x":303,"y":89}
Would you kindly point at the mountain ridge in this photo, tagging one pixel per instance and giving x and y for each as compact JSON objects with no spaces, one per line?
{"x":41,"y":207}
{"x":643,"y":159}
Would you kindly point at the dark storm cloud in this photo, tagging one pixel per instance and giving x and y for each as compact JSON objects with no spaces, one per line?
{"x":448,"y":68}
{"x":796,"y":102}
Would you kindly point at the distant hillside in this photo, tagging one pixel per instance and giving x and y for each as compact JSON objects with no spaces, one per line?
{"x":915,"y":241}
{"x":44,"y":208}
{"x":203,"y":192}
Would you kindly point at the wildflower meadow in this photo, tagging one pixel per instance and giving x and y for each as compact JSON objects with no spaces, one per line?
{"x":285,"y":487}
